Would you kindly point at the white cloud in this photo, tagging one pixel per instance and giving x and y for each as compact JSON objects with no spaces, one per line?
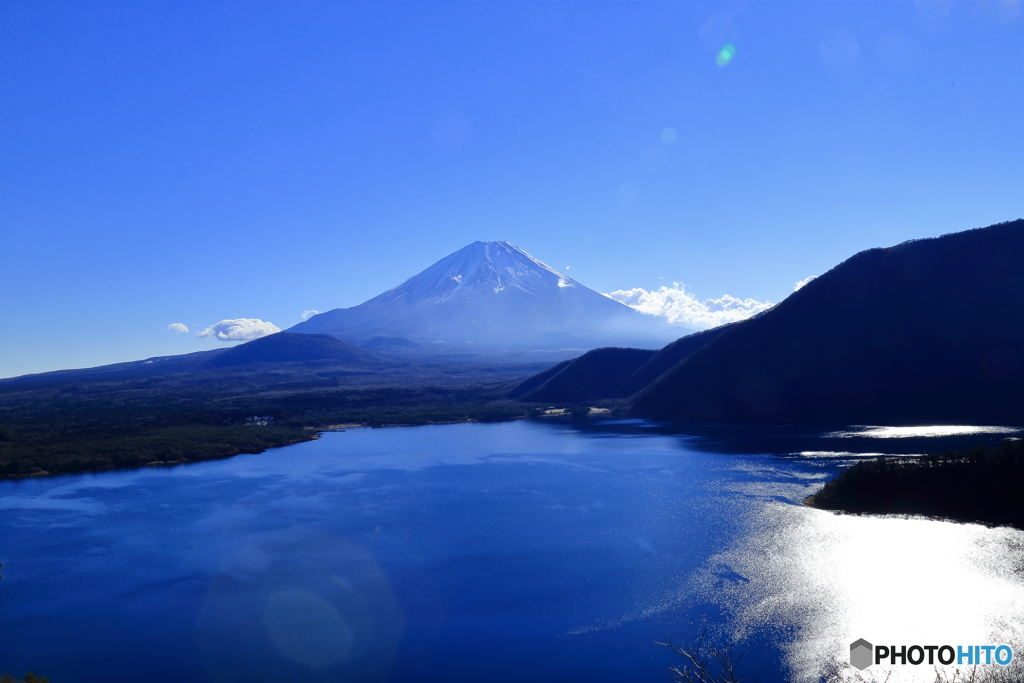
{"x":309,"y":314}
{"x":798,"y":285}
{"x":240,"y":329}
{"x":177,"y":327}
{"x":679,"y":306}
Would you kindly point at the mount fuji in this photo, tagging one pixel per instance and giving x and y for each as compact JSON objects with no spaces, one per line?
{"x":493,"y":294}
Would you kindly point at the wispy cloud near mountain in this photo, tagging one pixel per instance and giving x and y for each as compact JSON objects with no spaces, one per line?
{"x":679,"y":306}
{"x":178,"y":327}
{"x":240,"y":329}
{"x":798,"y":285}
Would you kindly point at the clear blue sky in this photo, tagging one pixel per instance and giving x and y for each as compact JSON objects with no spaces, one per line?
{"x":198,"y":161}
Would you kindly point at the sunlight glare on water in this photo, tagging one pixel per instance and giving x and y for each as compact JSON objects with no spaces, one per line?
{"x":838,"y":454}
{"x":889,"y":580}
{"x":925,"y":431}
{"x":450,"y":552}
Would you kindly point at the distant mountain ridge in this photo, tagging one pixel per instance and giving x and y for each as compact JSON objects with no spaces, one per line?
{"x":285,"y":347}
{"x":280,"y":351}
{"x":487,"y":302}
{"x":928,"y":331}
{"x":493,"y":294}
{"x":609,"y":372}
{"x":115,"y":372}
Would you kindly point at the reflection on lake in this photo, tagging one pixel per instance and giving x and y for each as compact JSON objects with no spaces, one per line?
{"x":501,"y":552}
{"x":922,"y":431}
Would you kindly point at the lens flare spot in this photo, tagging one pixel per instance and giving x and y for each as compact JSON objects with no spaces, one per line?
{"x":725,"y":55}
{"x":669,"y":135}
{"x":307,"y":629}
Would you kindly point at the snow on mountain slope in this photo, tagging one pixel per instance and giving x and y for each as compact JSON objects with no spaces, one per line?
{"x":478,"y":267}
{"x":494,"y":293}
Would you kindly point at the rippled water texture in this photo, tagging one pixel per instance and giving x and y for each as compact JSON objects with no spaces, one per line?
{"x":500,"y":552}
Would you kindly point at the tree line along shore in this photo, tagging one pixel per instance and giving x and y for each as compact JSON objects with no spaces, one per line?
{"x":88,"y":428}
{"x":981,"y":484}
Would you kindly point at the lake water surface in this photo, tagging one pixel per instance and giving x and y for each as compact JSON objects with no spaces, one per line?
{"x":520,"y":551}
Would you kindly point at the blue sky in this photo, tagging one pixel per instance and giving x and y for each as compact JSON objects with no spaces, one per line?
{"x":190,"y":162}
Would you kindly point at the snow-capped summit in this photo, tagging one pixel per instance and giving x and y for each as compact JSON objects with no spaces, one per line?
{"x":494,"y":294}
{"x":480,"y":267}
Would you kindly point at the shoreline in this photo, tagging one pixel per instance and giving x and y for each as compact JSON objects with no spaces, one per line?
{"x":311,"y":433}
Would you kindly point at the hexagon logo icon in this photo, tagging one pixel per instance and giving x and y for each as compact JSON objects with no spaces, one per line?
{"x":861,"y":654}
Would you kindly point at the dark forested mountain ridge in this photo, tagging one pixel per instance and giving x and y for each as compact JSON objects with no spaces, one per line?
{"x":494,"y":294}
{"x":157,"y":366}
{"x":285,"y":347}
{"x":928,"y":331}
{"x":597,"y":374}
{"x":608,"y":372}
{"x":672,"y":354}
{"x":282,"y":349}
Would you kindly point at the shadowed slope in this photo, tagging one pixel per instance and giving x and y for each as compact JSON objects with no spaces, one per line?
{"x":930,"y":331}
{"x":285,"y":347}
{"x":609,"y":372}
{"x":118,"y":372}
{"x":534,"y":382}
{"x":601,"y":373}
{"x":675,"y":352}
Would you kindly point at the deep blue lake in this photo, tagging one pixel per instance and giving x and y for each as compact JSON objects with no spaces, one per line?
{"x":520,"y":551}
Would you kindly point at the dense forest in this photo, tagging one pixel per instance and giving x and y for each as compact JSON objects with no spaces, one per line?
{"x":89,"y":425}
{"x":29,"y":678}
